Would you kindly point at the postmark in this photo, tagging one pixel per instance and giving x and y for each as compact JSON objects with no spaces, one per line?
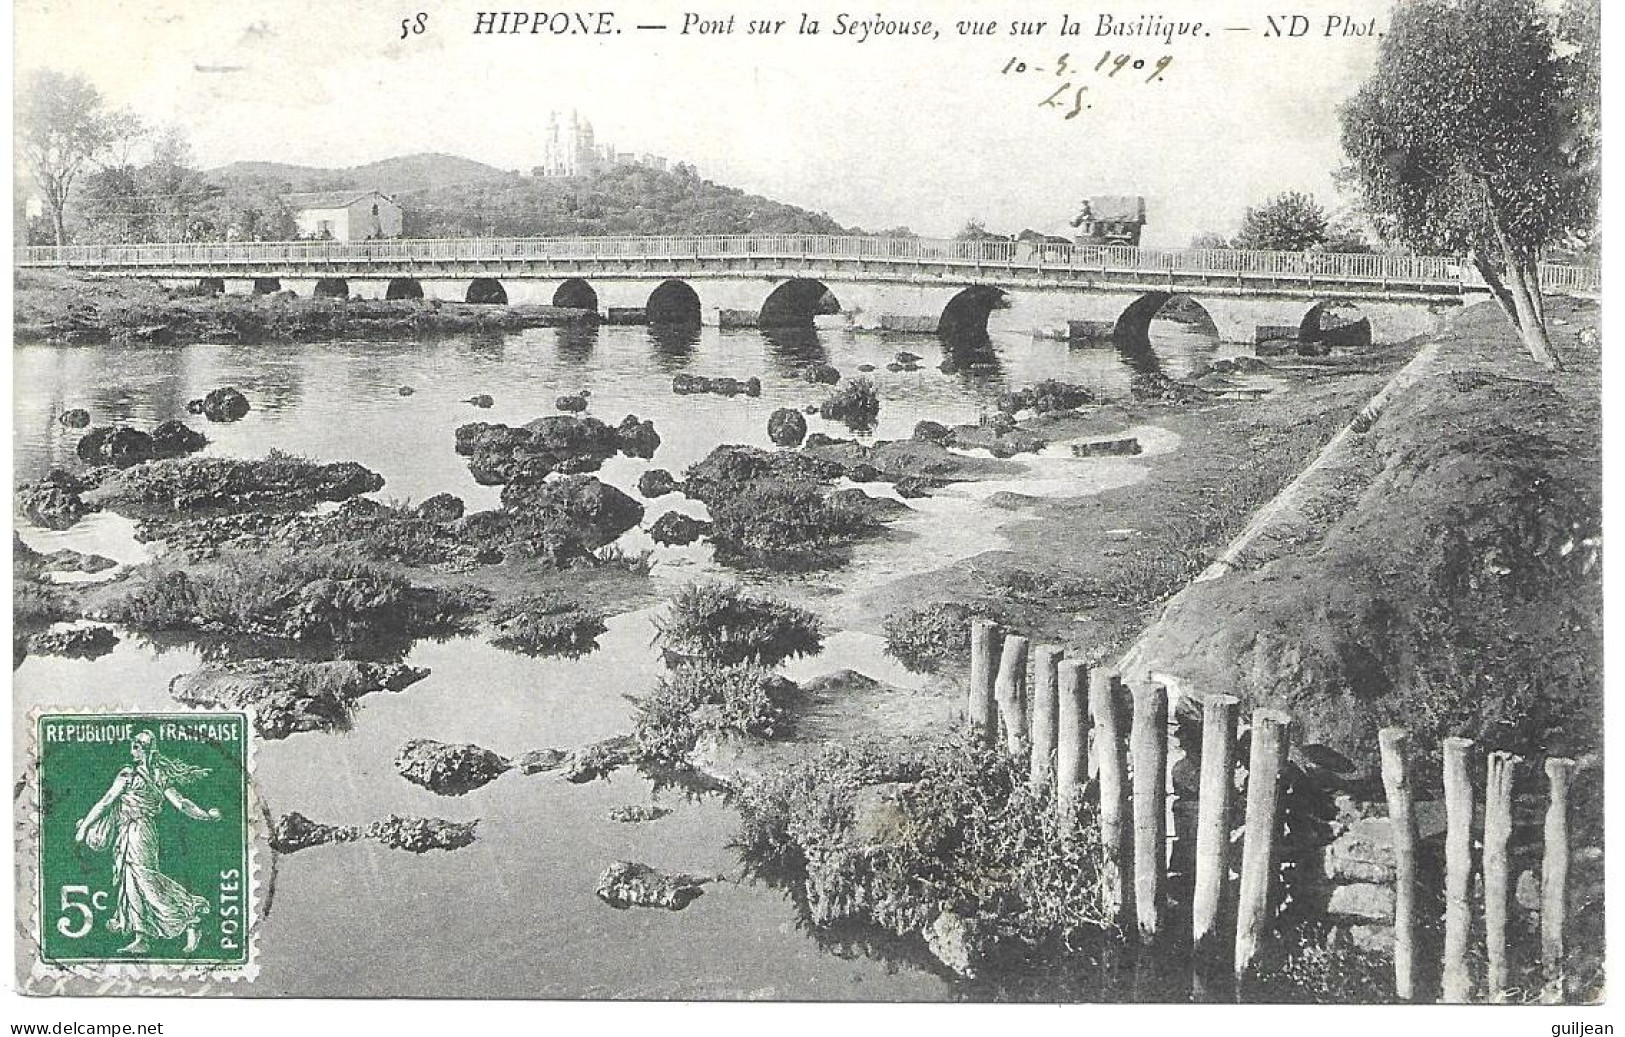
{"x":144,"y":845}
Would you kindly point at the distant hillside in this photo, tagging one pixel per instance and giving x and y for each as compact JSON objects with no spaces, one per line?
{"x":447,"y":196}
{"x":392,"y":175}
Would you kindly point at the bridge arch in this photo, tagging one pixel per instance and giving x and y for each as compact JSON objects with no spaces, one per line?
{"x":576,"y":294}
{"x":794,"y":304}
{"x":673,"y":302}
{"x":267,"y":285}
{"x":965,"y":316}
{"x":211,"y":286}
{"x":404,"y":288}
{"x":1335,"y":322}
{"x":1133,"y":326}
{"x":486,"y":290}
{"x":331,"y":288}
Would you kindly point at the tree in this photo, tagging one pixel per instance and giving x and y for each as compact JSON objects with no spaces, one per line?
{"x":164,"y":199}
{"x":1208,"y":239}
{"x":976,"y":230}
{"x":63,"y":127}
{"x":1472,"y":137}
{"x":1290,"y":222}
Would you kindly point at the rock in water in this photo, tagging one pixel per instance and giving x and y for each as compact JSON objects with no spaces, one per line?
{"x":75,"y":643}
{"x":599,"y":759}
{"x":821,"y":374}
{"x":482,"y":401}
{"x":76,"y":417}
{"x":577,"y":507}
{"x":637,"y":438}
{"x":289,"y":696}
{"x":442,"y":507}
{"x":636,"y":813}
{"x":627,"y":884}
{"x":421,"y":834}
{"x":656,"y":482}
{"x":294,"y":831}
{"x":1126,"y":447}
{"x":448,"y":769}
{"x":224,"y":404}
{"x":786,"y":427}
{"x":175,"y":438}
{"x":573,"y":403}
{"x":405,"y":390}
{"x":52,"y":503}
{"x":117,"y":445}
{"x":934,"y":432}
{"x":675,"y":529}
{"x":539,"y":761}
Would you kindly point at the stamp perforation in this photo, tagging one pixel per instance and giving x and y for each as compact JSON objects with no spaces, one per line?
{"x":101,"y":975}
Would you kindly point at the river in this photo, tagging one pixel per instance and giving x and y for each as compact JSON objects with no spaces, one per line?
{"x":514,"y":914}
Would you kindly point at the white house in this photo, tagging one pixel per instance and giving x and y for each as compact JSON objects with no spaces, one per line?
{"x":346,"y":215}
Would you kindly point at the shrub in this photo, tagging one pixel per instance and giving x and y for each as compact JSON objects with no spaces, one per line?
{"x":963,"y":832}
{"x":278,"y":480}
{"x":1311,"y":969}
{"x":36,"y":605}
{"x":785,"y":526}
{"x":856,"y":404}
{"x":638,"y":563}
{"x":547,"y":625}
{"x":704,"y":698}
{"x":299,"y":596}
{"x":931,"y":637}
{"x":1046,"y":396}
{"x":722,"y":624}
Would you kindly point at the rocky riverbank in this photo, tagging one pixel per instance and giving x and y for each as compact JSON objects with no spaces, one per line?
{"x":67,"y":310}
{"x":1437,"y":566}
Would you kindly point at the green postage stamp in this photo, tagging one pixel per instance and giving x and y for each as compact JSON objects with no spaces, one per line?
{"x":144,"y":855}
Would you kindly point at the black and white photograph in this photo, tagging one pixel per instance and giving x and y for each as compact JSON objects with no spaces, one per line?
{"x":940,"y":503}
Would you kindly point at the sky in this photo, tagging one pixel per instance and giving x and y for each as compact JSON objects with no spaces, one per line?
{"x":892,"y":130}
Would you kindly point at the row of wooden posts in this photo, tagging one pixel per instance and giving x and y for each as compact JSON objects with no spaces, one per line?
{"x":1049,"y":723}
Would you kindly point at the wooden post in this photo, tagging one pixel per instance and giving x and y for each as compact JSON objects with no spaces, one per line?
{"x":1045,"y":714}
{"x":1554,"y":876}
{"x":1112,"y":759}
{"x":1458,"y":869}
{"x":1071,"y":738}
{"x":1396,"y":782}
{"x":1213,"y":818}
{"x":1271,"y":738}
{"x":984,"y":668}
{"x":1148,"y":744}
{"x":1011,"y":692}
{"x":1497,"y":833}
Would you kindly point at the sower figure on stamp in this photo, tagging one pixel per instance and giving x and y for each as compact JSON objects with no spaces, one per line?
{"x":149,"y":903}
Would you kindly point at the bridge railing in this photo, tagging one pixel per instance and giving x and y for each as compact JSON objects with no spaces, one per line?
{"x":1022,"y":255}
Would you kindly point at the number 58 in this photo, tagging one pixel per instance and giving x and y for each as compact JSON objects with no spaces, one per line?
{"x":84,"y":908}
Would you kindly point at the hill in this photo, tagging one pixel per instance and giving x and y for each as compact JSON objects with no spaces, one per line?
{"x":447,"y":196}
{"x":392,"y":175}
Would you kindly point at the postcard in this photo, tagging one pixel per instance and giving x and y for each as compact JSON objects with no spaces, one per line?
{"x":921,"y":503}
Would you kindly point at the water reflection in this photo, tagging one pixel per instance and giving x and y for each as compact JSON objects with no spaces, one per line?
{"x":489,"y":345}
{"x":1139,"y":357}
{"x":673,"y":344}
{"x":575,"y":342}
{"x":792,"y":349}
{"x":973,"y":357}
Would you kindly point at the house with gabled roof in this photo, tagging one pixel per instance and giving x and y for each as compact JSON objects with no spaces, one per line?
{"x":1113,"y":219}
{"x":354,"y":215}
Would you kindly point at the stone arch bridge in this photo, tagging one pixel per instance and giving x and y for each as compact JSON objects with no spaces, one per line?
{"x":890,"y":284}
